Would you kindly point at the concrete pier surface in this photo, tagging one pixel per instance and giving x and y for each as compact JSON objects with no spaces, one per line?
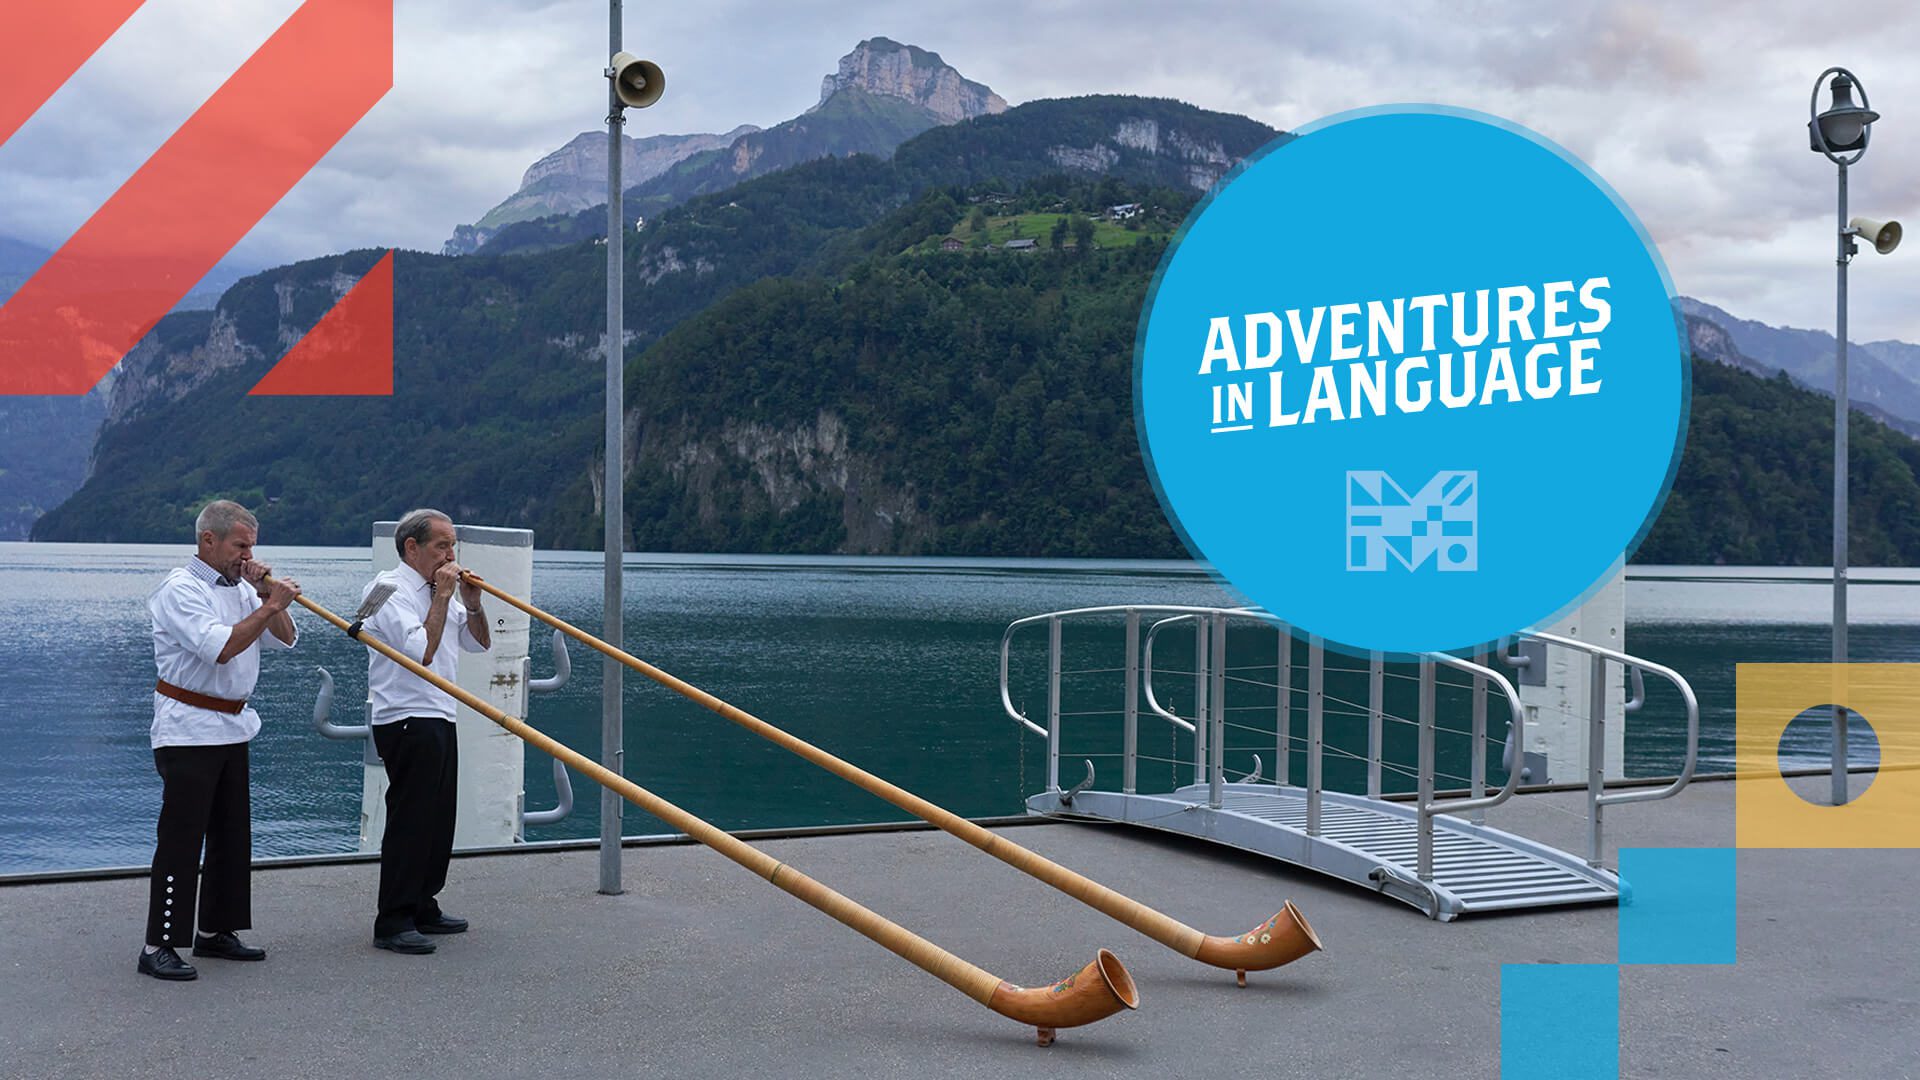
{"x":703,"y":970}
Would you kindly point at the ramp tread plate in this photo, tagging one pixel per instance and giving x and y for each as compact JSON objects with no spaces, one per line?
{"x":1480,"y":872}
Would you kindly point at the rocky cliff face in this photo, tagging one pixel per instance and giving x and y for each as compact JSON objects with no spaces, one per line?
{"x":1203,"y":161}
{"x":178,"y":358}
{"x":759,"y":469}
{"x":574,"y":178}
{"x":1710,"y":341}
{"x":154,"y":373}
{"x":889,"y":69}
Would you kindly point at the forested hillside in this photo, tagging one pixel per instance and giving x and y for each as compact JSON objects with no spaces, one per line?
{"x":809,"y":370}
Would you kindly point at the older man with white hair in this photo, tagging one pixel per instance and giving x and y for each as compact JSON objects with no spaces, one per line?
{"x":433,"y":616}
{"x":210,"y":618}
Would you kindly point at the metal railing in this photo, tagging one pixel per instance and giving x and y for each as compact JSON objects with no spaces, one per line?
{"x":562,"y":787}
{"x":1597,"y":799}
{"x":1132,"y":712}
{"x":1210,"y":718}
{"x":1426,"y":771}
{"x":562,"y":671}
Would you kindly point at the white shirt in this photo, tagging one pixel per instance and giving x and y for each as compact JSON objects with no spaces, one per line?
{"x":402,"y":623}
{"x":193,"y":616}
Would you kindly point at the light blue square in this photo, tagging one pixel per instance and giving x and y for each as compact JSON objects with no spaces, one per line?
{"x":1559,"y":1022}
{"x":1682,"y":907}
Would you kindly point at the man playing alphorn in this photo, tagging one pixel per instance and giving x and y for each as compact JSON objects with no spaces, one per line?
{"x":209,"y":620}
{"x":432,"y":617}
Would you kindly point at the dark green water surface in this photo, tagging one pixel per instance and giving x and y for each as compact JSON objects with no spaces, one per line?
{"x":891,"y":663}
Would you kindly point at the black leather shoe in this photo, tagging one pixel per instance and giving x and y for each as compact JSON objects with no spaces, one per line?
{"x":441,"y":924}
{"x":166,"y":964}
{"x":227,"y":946}
{"x":406,"y":941}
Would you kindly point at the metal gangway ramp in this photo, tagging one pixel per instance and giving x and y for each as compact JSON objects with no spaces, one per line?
{"x":1437,"y":854}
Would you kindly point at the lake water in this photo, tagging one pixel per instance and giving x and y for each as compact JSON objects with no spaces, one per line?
{"x":891,"y":663}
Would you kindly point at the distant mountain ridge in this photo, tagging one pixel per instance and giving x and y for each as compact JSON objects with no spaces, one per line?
{"x":20,"y":257}
{"x":46,"y":442}
{"x":881,"y":94}
{"x":1143,"y":141}
{"x":574,"y":177}
{"x":1883,"y":377}
{"x":20,"y":260}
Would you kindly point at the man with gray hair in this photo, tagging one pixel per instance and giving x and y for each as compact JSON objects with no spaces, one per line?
{"x":210,"y":618}
{"x":413,"y":726}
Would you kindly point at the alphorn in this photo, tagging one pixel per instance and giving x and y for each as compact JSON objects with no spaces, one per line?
{"x":1095,"y":992}
{"x":1280,"y":940}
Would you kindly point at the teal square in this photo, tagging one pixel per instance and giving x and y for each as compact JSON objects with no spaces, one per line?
{"x":1559,"y":1022}
{"x":1683,"y":906}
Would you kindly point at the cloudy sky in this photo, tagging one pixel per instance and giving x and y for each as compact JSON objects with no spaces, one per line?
{"x":1694,"y":113}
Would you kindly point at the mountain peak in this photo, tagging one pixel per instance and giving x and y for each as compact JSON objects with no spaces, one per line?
{"x":886,"y":68}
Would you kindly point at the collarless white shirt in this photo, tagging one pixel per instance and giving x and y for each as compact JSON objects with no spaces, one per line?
{"x":402,"y":623}
{"x":193,"y":616}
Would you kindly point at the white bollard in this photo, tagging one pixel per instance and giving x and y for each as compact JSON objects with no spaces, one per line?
{"x":492,"y":760}
{"x":1557,"y":712}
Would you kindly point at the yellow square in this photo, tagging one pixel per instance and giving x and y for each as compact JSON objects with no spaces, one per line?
{"x":1769,"y":814}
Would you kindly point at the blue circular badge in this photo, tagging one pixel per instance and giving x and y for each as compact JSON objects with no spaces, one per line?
{"x":1411,"y":379}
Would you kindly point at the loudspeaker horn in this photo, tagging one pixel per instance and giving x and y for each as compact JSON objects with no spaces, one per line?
{"x":1883,"y":235}
{"x":638,"y":82}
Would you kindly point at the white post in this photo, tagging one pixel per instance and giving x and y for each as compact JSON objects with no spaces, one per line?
{"x":1557,"y":712}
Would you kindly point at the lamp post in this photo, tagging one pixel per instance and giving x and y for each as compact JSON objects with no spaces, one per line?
{"x":1841,"y":133}
{"x":631,"y":83}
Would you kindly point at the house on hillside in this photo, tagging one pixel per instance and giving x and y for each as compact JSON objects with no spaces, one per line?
{"x":1124,"y":211}
{"x":1028,"y":244}
{"x":952,"y":243}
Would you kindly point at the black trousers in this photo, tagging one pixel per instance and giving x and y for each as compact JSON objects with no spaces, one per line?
{"x":205,"y":803}
{"x":422,"y":756}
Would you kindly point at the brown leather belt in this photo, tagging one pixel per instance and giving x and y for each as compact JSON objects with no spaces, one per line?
{"x":197,"y":700}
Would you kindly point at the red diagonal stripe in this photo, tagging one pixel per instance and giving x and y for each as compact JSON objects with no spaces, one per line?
{"x":43,"y":44}
{"x":349,"y":351}
{"x":199,"y":194}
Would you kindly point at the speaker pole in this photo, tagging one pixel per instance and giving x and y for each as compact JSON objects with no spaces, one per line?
{"x":612,"y":736}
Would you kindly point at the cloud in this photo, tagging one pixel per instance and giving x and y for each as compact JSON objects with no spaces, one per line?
{"x":1694,"y":113}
